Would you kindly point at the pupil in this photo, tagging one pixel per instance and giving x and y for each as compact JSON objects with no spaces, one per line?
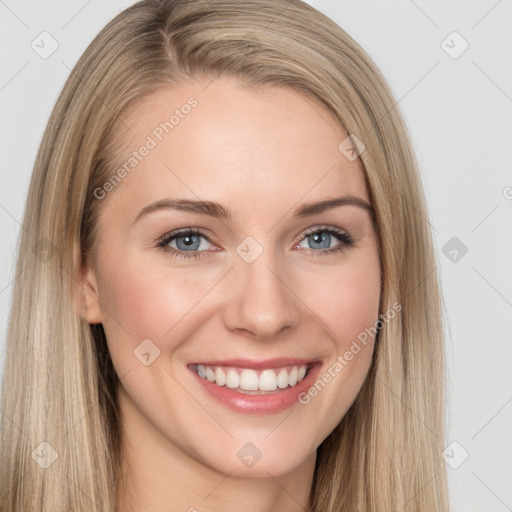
{"x":318,"y":238}
{"x":188,"y":242}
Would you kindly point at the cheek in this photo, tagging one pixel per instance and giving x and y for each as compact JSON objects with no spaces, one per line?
{"x":347,"y":300}
{"x":348,"y":304}
{"x":143,"y":302}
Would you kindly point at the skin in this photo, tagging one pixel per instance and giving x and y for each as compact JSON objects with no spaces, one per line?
{"x":261,"y":153}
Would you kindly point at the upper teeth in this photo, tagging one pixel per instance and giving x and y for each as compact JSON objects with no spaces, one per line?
{"x":250,"y":380}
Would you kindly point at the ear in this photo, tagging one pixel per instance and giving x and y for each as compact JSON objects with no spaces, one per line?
{"x":85,"y":293}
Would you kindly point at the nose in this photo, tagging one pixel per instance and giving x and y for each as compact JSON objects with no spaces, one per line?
{"x":262,"y":304}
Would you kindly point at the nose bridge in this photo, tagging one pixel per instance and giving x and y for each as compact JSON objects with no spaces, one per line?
{"x":261,"y":301}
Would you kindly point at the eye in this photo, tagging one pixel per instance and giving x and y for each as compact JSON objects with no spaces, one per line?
{"x":319,"y":239}
{"x":187,"y":242}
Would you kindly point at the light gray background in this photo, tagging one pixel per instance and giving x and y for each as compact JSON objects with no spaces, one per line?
{"x":458,"y":112}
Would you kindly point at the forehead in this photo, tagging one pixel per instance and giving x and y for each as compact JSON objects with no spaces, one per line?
{"x":221,"y":140}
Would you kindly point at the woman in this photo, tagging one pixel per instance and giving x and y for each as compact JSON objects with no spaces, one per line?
{"x":168,"y":348}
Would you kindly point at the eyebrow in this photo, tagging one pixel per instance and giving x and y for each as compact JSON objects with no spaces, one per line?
{"x":216,"y":210}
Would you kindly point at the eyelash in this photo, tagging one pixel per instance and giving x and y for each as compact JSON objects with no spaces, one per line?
{"x":344,"y":237}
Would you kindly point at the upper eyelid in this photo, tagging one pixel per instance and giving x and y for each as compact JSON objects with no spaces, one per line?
{"x":184,"y":231}
{"x":321,"y":227}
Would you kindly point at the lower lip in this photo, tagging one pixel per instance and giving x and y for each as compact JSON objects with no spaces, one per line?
{"x":270,"y":403}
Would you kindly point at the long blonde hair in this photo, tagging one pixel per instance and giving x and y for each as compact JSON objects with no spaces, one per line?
{"x":59,"y":383}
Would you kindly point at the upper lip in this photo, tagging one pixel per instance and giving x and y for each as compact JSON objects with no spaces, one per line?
{"x":277,"y":362}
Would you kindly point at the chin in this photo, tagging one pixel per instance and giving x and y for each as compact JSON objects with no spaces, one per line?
{"x":251,"y":462}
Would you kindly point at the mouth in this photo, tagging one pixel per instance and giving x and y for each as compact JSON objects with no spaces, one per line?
{"x":256,"y":387}
{"x":252,"y":378}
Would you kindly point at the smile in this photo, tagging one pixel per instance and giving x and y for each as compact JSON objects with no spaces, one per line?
{"x":251,"y":381}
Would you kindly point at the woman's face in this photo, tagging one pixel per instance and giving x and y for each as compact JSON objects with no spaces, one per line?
{"x":266,"y":287}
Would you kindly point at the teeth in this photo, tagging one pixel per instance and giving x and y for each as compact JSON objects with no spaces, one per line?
{"x":282,"y":379}
{"x":220,"y":377}
{"x":209,"y":374}
{"x":250,"y":380}
{"x":268,"y":380}
{"x":292,"y":377}
{"x":232,"y":379}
